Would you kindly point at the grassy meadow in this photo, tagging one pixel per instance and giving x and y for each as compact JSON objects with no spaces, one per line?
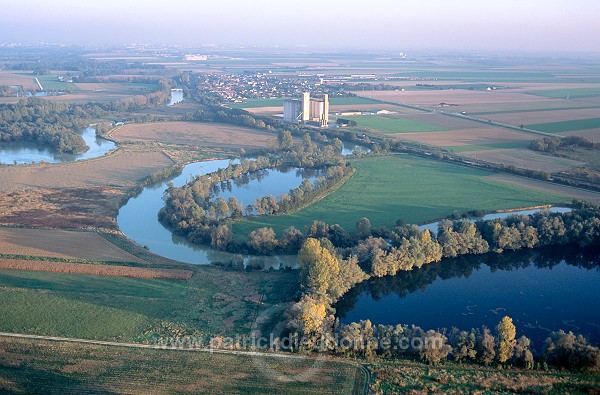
{"x":38,"y":366}
{"x":100,"y":307}
{"x":413,"y":189}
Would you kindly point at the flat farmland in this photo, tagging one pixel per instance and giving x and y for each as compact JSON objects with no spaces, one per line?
{"x":476,"y":136}
{"x":525,"y":158}
{"x":194,"y":134}
{"x":62,"y":244}
{"x":567,"y":93}
{"x":121,"y":168}
{"x":481,"y":103}
{"x":541,"y":117}
{"x":413,"y":189}
{"x":548,"y":187}
{"x":460,"y":98}
{"x":567,"y":126}
{"x":8,"y":78}
{"x":392,"y":124}
{"x":40,"y":366}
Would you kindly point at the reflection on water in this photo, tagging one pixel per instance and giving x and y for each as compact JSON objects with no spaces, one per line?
{"x":138,"y":218}
{"x":176,"y":97}
{"x":543,"y":290}
{"x":26,"y":153}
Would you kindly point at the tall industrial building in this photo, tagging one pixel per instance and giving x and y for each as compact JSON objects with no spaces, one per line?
{"x":307,"y":110}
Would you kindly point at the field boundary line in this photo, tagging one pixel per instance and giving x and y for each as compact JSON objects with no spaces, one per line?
{"x":171,"y":348}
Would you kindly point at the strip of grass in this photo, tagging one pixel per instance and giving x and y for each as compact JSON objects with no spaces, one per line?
{"x":485,"y":147}
{"x":413,"y":189}
{"x":575,"y":93}
{"x":38,"y":366}
{"x":391,"y":124}
{"x":566,"y":126}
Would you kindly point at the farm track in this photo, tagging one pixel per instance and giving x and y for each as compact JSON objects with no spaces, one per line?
{"x":365,"y":389}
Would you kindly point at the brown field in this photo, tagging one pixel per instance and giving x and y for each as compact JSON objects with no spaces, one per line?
{"x":62,"y":244}
{"x":193,"y":134}
{"x":477,"y":136}
{"x":459,"y":97}
{"x":121,"y":168}
{"x":476,"y":101}
{"x":525,"y":158}
{"x":8,"y":78}
{"x":562,"y":190}
{"x":95,"y":269}
{"x":527,"y":118}
{"x":84,"y":194}
{"x":70,"y":208}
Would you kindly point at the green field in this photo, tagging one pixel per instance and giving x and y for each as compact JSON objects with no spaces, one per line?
{"x":102,"y":307}
{"x":484,"y":147}
{"x":566,"y":126}
{"x":391,"y":124}
{"x":39,"y":366}
{"x":574,"y":93}
{"x":51,"y":83}
{"x":413,"y":189}
{"x":278,"y":102}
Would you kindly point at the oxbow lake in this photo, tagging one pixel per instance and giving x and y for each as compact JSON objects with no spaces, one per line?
{"x":542,"y":290}
{"x":27,"y":153}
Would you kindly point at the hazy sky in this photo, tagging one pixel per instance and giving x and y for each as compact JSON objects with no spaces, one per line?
{"x":529,"y":25}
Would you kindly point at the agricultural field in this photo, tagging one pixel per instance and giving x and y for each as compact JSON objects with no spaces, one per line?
{"x":392,"y":124}
{"x":61,"y":244}
{"x":412,"y":189}
{"x":8,"y":78}
{"x":48,"y":366}
{"x":524,"y":158}
{"x":569,"y":93}
{"x":567,"y":126}
{"x":193,"y":134}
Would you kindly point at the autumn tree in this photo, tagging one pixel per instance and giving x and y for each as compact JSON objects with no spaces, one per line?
{"x":435,"y":347}
{"x":318,"y":266}
{"x":506,"y":339}
{"x":262,"y":240}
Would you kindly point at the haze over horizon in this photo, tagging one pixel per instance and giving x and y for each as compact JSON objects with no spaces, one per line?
{"x":511,"y":25}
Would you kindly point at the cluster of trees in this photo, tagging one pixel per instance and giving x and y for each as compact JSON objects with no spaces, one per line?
{"x":57,"y":125}
{"x":553,"y":144}
{"x":325,"y":277}
{"x":478,"y":345}
{"x":563,"y":350}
